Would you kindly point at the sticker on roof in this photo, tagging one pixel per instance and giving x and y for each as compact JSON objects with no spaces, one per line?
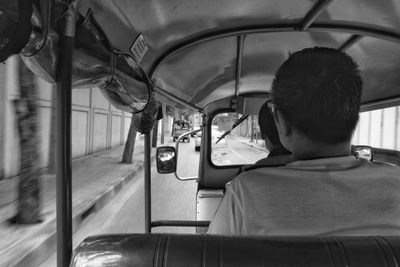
{"x":139,"y":48}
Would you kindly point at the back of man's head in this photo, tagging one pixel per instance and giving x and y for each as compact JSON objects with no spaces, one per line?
{"x":318,"y":90}
{"x":267,"y":125}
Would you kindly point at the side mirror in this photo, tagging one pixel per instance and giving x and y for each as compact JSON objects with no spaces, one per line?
{"x":362,"y":152}
{"x":166,"y":159}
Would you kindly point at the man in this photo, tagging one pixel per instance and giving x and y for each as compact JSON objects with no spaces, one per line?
{"x":278,"y":155}
{"x":325,"y":191}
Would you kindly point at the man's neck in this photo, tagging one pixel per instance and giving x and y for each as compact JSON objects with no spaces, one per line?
{"x":307,"y":149}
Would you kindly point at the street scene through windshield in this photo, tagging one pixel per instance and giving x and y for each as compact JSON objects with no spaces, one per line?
{"x":243,"y":145}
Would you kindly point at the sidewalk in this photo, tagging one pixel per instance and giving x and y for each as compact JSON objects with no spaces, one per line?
{"x":95,"y":180}
{"x":259,"y":144}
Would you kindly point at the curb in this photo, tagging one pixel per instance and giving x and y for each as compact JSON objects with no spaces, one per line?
{"x":34,"y":256}
{"x":258,"y":147}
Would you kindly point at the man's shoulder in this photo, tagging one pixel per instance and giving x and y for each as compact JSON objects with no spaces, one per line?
{"x":272,"y":174}
{"x":274,"y":161}
{"x":384,"y":166}
{"x":261,"y":175}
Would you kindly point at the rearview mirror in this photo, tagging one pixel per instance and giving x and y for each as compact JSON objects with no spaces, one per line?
{"x":362,"y":152}
{"x":166,"y":159}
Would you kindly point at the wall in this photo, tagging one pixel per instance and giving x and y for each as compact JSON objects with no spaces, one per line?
{"x":10,"y":142}
{"x":96,"y":125}
{"x":379,"y":128}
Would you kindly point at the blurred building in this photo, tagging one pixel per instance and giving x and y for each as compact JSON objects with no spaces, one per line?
{"x":96,"y":125}
{"x":379,"y":128}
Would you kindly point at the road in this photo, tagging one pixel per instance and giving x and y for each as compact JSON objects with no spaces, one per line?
{"x":171,"y":199}
{"x":232,"y":151}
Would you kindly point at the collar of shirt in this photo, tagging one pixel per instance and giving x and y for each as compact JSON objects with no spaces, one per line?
{"x":334,"y":163}
{"x":278,"y":151}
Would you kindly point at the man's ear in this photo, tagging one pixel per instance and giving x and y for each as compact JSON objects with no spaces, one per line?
{"x":284,"y":127}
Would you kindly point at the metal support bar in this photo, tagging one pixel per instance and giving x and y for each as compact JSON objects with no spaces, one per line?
{"x":147,"y":182}
{"x":381,"y":103}
{"x":63,"y":140}
{"x":154,"y":133}
{"x":163,"y":121}
{"x":180,"y":223}
{"x":314,"y":12}
{"x":3,"y":106}
{"x":239,"y":56}
{"x":176,"y":99}
{"x":350,"y":42}
{"x":176,"y":151}
{"x":396,"y":128}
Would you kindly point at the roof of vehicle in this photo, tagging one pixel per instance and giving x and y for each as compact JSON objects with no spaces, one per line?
{"x":201,"y":51}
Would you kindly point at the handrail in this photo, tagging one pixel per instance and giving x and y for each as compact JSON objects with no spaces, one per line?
{"x":164,"y":93}
{"x":180,"y":223}
{"x":239,"y":59}
{"x":386,"y":155}
{"x":380,"y":103}
{"x":350,"y":42}
{"x":314,"y":12}
{"x":176,"y":151}
{"x":63,"y":137}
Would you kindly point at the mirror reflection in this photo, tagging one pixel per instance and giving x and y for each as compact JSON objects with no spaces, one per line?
{"x":362,"y":152}
{"x":166,"y":159}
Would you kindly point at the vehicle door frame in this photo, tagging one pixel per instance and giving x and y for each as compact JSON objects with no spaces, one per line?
{"x":63,"y":88}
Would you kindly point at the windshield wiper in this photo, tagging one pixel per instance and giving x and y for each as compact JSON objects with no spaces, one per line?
{"x":239,"y":121}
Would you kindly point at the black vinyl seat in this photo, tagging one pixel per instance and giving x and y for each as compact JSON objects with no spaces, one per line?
{"x":204,"y":250}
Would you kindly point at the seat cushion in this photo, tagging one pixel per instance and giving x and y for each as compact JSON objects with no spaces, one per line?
{"x":205,"y":250}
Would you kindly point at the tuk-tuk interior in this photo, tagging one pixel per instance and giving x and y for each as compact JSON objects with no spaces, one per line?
{"x":216,"y":57}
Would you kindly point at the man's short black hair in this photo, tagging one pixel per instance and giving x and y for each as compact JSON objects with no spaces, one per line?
{"x":318,"y":90}
{"x":267,"y":125}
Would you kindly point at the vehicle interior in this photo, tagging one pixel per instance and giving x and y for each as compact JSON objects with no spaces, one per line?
{"x":218,"y":58}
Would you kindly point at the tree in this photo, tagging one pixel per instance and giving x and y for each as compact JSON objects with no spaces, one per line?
{"x":130,"y":144}
{"x":29,"y":202}
{"x":252,"y":128}
{"x":155,"y":135}
{"x":170,"y":110}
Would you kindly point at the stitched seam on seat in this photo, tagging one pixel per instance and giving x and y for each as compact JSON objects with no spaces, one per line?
{"x":382,"y":250}
{"x":343,"y":251}
{"x":203,"y":258}
{"x":166,"y":247}
{"x":328,"y":249}
{"x":220,"y":253}
{"x":156,"y":256}
{"x":390,"y":248}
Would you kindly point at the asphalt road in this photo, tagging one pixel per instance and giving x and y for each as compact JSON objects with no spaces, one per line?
{"x":231,"y":151}
{"x":171,"y":199}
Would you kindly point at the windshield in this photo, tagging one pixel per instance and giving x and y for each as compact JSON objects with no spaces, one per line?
{"x":242,"y":146}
